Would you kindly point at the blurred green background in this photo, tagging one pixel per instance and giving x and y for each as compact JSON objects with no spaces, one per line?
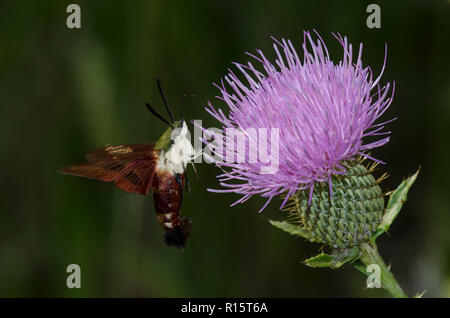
{"x":65,"y":92}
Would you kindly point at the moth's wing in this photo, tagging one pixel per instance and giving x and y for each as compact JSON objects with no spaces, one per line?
{"x":120,"y":152}
{"x":105,"y":171}
{"x":130,"y":167}
{"x":137,"y":176}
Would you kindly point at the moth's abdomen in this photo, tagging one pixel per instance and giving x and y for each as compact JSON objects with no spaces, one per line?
{"x":167,"y":197}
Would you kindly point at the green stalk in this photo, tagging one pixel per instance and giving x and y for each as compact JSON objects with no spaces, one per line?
{"x":370,"y":255}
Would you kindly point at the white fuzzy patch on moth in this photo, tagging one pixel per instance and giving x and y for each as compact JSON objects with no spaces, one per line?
{"x":169,"y":225}
{"x":180,"y":153}
{"x":168,"y":216}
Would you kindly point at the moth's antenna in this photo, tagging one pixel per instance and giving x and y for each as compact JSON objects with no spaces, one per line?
{"x":182,"y":103}
{"x":154,"y":112}
{"x":198,"y":98}
{"x":181,"y":109}
{"x":164,"y":99}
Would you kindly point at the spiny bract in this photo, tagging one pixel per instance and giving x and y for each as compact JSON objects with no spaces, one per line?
{"x":347,"y":217}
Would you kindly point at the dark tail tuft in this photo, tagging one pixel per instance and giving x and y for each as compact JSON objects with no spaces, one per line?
{"x":178,"y":235}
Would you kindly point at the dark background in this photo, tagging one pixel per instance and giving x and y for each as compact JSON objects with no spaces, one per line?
{"x":65,"y":92}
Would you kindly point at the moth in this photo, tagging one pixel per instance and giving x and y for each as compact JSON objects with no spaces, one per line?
{"x":140,"y":168}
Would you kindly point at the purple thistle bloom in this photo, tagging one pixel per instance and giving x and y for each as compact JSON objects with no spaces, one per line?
{"x":323,"y":110}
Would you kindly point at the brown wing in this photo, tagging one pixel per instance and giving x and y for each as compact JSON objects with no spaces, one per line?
{"x":130,"y":167}
{"x":121,"y":151}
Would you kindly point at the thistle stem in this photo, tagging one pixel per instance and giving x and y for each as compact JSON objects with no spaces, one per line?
{"x":370,"y":255}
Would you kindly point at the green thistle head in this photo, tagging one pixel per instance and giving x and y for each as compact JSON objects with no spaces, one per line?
{"x":348,"y":215}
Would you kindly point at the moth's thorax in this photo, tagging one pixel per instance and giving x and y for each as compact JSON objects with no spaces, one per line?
{"x":179,"y":154}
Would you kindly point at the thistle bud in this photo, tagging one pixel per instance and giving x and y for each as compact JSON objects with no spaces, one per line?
{"x":347,"y":216}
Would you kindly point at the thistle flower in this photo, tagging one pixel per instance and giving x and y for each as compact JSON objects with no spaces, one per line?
{"x":323,"y":111}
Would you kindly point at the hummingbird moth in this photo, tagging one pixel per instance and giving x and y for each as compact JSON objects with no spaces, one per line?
{"x":140,"y":168}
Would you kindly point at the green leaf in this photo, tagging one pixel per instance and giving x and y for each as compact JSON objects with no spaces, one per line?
{"x":360,"y":267}
{"x":420,"y":295}
{"x":321,"y":260}
{"x":337,"y":259}
{"x":292,"y":229}
{"x":396,"y":200}
{"x":344,"y":256}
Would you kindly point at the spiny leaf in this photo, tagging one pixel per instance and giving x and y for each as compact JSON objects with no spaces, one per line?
{"x":337,"y":259}
{"x":321,"y":260}
{"x":396,"y":200}
{"x":360,"y":266}
{"x":420,"y":295}
{"x":291,"y":229}
{"x":344,"y":256}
